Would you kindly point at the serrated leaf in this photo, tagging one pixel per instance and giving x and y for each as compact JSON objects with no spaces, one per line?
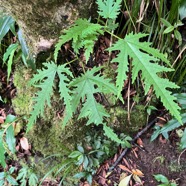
{"x":109,"y":9}
{"x":8,"y":56}
{"x":33,"y":180}
{"x":45,"y":78}
{"x":65,"y":92}
{"x":110,"y":134}
{"x":5,"y":24}
{"x":22,"y":174}
{"x":10,"y":139}
{"x":83,"y":35}
{"x":11,"y":180}
{"x":85,"y":89}
{"x":131,"y":47}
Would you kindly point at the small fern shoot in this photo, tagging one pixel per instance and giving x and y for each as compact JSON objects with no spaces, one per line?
{"x":109,"y":9}
{"x":83,"y":35}
{"x":142,"y":62}
{"x":44,"y":80}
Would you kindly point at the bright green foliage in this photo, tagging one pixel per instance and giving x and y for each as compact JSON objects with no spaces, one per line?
{"x":109,"y":8}
{"x":86,"y":86}
{"x":26,"y":176}
{"x":164,"y":181}
{"x":8,"y":56}
{"x":83,"y":35}
{"x":9,"y":140}
{"x":45,"y":78}
{"x":7,"y":178}
{"x":143,"y":62}
{"x":6,"y":24}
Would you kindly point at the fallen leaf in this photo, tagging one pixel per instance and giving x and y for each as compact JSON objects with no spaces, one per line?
{"x":123,"y":167}
{"x":24,"y":143}
{"x":137,"y":172}
{"x":125,"y":181}
{"x":2,"y":119}
{"x":137,"y":179}
{"x":140,"y":142}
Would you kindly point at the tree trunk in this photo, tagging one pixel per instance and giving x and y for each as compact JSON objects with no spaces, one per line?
{"x":42,"y":20}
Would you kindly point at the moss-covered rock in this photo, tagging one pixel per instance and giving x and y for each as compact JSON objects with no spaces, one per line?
{"x":22,"y":103}
{"x":120,"y":122}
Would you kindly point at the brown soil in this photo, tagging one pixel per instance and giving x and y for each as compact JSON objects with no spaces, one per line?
{"x":158,"y":157}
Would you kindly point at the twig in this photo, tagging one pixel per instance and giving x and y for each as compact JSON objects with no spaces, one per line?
{"x":149,"y":125}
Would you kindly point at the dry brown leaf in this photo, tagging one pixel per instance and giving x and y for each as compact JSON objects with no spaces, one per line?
{"x":2,"y":119}
{"x":127,"y":164}
{"x":123,"y":167}
{"x":135,"y":154}
{"x":162,"y":140}
{"x":137,"y":172}
{"x":24,"y":143}
{"x":140,"y":142}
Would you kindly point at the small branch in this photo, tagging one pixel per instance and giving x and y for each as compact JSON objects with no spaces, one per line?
{"x":149,"y":125}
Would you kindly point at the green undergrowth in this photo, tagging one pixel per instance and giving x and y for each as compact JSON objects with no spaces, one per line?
{"x":64,"y":101}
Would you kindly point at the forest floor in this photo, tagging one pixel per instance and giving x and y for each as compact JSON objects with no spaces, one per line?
{"x":144,"y":160}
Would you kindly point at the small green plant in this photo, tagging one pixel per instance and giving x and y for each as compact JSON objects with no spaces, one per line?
{"x":7,"y":139}
{"x":85,"y":159}
{"x":26,"y":176}
{"x":164,"y":181}
{"x":82,"y":89}
{"x":15,"y":50}
{"x":173,"y":28}
{"x":6,"y":177}
{"x":173,"y":123}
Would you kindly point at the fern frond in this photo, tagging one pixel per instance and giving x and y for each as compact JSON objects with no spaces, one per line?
{"x":83,"y":35}
{"x":85,"y":88}
{"x":44,"y":80}
{"x":109,"y":9}
{"x":113,"y":136}
{"x":63,"y":88}
{"x":143,"y":62}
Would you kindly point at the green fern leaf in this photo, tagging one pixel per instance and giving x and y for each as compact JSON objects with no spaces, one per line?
{"x":142,"y":62}
{"x":64,"y":90}
{"x":45,"y":79}
{"x":113,"y":136}
{"x":83,"y":35}
{"x":85,"y":88}
{"x":109,"y":8}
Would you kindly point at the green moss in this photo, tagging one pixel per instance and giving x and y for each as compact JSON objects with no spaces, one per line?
{"x":22,"y":103}
{"x":119,"y":119}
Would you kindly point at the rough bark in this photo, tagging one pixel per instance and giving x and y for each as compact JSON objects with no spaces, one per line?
{"x":42,"y":20}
